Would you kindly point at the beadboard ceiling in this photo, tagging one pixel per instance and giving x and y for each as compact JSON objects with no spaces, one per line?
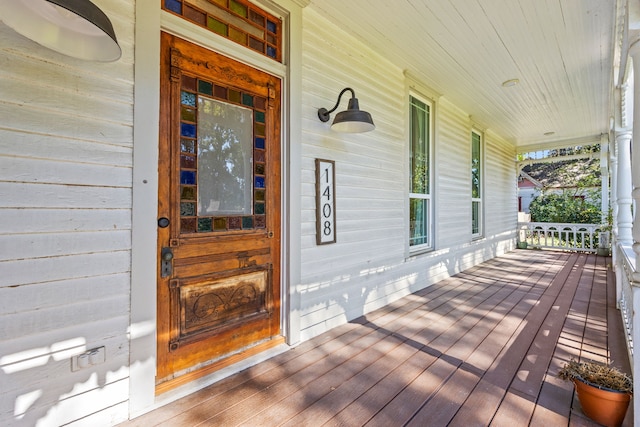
{"x":561,"y":51}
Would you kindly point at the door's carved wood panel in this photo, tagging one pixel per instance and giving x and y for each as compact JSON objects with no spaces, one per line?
{"x":207,"y":306}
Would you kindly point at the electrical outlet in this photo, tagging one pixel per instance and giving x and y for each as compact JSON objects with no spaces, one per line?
{"x":92,"y":357}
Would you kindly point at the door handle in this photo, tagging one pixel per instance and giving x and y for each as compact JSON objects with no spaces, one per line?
{"x":166,"y":262}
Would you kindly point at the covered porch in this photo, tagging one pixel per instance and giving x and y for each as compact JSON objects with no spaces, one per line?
{"x":481,"y":348}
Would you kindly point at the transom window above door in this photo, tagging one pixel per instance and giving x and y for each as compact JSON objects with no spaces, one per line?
{"x":236,"y":20}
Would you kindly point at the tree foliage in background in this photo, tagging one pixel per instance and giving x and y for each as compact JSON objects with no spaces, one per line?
{"x":567,"y":207}
{"x":571,"y":191}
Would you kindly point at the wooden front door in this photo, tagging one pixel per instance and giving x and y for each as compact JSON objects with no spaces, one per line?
{"x":218,"y":210}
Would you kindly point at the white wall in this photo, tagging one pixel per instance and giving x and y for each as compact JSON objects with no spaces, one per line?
{"x":65,"y":229}
{"x":501,"y":187}
{"x":368,"y":268}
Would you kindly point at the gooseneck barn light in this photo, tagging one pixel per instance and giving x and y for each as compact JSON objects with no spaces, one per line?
{"x":76,"y":28}
{"x":352,"y":119}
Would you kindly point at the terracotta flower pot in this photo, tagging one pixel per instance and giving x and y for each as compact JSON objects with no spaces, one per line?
{"x":607,"y":407}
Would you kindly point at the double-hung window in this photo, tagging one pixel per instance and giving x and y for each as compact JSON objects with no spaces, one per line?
{"x":420,"y":193}
{"x":476,"y":184}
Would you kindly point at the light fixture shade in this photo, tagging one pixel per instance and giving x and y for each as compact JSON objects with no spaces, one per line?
{"x":351,"y":120}
{"x":76,"y":28}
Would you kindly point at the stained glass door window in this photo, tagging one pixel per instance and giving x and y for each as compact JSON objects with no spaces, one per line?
{"x":223,"y":176}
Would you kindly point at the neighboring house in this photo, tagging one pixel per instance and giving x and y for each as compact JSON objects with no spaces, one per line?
{"x":528,"y":189}
{"x":182,"y":213}
{"x":557,"y":177}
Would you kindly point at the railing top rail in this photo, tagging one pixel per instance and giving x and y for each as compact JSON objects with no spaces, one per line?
{"x":560,"y":224}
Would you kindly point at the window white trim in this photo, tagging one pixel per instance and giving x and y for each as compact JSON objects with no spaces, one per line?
{"x":477,"y":205}
{"x":427,"y":197}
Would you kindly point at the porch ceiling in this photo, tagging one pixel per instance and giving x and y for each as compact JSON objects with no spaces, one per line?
{"x":561,"y":51}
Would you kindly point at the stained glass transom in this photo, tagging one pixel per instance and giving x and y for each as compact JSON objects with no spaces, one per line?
{"x":236,"y":20}
{"x":223,"y":169}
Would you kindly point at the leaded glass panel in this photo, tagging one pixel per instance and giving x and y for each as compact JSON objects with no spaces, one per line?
{"x":223,"y":171}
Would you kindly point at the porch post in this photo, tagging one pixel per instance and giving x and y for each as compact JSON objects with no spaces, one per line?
{"x":625,"y":219}
{"x":613,"y":165}
{"x":605,"y":171}
{"x":617,"y":266}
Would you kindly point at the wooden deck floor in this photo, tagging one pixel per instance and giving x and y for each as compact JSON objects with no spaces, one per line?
{"x":481,"y":348}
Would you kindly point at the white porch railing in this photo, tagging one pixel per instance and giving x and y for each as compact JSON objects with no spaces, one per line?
{"x":562,"y":236}
{"x":628,"y":298}
{"x":626,"y":292}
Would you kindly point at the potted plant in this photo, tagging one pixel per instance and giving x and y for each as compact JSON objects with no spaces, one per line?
{"x":604,"y":392}
{"x":604,"y":237}
{"x":521,"y":242}
{"x":604,"y":244}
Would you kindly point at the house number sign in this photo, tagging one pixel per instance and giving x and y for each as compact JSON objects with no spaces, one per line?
{"x":325,"y":202}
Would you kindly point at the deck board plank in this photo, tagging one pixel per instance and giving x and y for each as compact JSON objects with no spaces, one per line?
{"x":480,"y":348}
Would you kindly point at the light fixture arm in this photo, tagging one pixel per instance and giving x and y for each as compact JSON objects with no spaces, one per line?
{"x":324,"y":115}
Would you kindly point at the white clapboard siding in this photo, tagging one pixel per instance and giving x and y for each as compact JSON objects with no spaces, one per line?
{"x":22,"y":353}
{"x":86,"y":80}
{"x":66,"y":138}
{"x":46,"y":101}
{"x":25,"y":246}
{"x":57,"y":364}
{"x":22,"y":119}
{"x":368,"y":267}
{"x":31,"y":195}
{"x":38,"y":270}
{"x":501,"y":199}
{"x":56,"y":220}
{"x":453,"y":175}
{"x":58,"y":294}
{"x":111,"y":416}
{"x":53,"y":361}
{"x":66,"y":316}
{"x":369,"y":177}
{"x":64,"y":149}
{"x":44,"y":171}
{"x":88,"y":405}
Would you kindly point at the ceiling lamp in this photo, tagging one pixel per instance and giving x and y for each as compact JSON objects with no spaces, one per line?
{"x":351,"y":120}
{"x":510,"y":83}
{"x":76,"y":28}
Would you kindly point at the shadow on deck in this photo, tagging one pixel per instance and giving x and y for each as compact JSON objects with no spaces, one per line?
{"x":481,"y":348}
